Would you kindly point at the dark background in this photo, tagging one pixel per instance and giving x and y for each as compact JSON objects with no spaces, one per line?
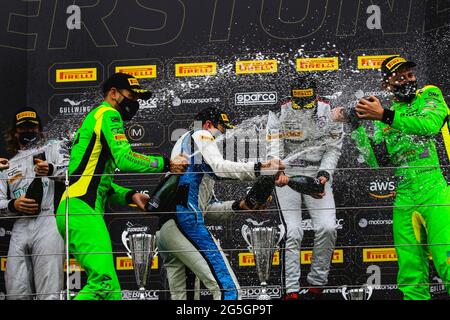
{"x":34,"y":42}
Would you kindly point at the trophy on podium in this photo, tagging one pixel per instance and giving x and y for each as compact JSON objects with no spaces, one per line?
{"x":143,"y":249}
{"x":359,"y":293}
{"x":263,"y":241}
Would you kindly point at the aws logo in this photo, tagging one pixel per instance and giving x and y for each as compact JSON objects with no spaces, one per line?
{"x":382,"y":189}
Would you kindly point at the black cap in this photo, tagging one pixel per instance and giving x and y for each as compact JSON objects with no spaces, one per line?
{"x":26,"y":116}
{"x":393,"y":63}
{"x":303,"y":92}
{"x":126,"y":81}
{"x":214,"y":115}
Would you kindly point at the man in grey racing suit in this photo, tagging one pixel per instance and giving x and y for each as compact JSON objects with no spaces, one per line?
{"x":309,"y":143}
{"x":34,"y":267}
{"x":185,"y":245}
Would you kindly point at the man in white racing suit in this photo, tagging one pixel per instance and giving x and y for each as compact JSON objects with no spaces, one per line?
{"x":34,"y":267}
{"x":185,"y":244}
{"x":309,"y":143}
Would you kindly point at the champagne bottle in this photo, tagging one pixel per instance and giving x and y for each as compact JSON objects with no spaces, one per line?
{"x":163,"y":197}
{"x":35,"y":190}
{"x":261,"y":191}
{"x":305,"y":184}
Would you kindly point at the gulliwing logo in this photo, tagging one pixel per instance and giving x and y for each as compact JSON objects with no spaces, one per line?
{"x":255,"y":98}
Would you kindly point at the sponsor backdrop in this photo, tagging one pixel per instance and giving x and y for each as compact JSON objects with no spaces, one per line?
{"x":241,"y":56}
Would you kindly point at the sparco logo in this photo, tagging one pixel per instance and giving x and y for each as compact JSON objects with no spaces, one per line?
{"x":254,"y":292}
{"x":255,"y":98}
{"x":206,"y":100}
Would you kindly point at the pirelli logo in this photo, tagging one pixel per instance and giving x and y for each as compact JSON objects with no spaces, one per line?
{"x":26,"y":114}
{"x":379,"y":254}
{"x":306,"y":256}
{"x":371,"y":62}
{"x":139,"y":72}
{"x":120,"y":137}
{"x":76,"y":75}
{"x":125,"y":263}
{"x":246,"y":259}
{"x":2,"y":264}
{"x":74,"y":265}
{"x":302,"y":93}
{"x":256,"y":66}
{"x":317,"y":64}
{"x":195,"y":69}
{"x":394,"y":61}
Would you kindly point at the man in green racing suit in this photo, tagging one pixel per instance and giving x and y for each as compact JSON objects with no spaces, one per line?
{"x":406,"y":133}
{"x":100,"y":146}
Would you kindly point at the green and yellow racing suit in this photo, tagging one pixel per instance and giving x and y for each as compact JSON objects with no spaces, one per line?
{"x":421,"y":215}
{"x":100,"y":146}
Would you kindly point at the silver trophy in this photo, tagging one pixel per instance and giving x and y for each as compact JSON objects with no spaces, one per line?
{"x":263,"y":241}
{"x":359,"y":293}
{"x":143,"y":249}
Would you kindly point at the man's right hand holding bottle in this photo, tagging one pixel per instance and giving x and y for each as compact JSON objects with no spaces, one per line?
{"x":27,"y":206}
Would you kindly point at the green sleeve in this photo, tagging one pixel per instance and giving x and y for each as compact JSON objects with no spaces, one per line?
{"x":127,"y":160}
{"x":364,"y":145}
{"x":120,"y":195}
{"x":431,"y":117}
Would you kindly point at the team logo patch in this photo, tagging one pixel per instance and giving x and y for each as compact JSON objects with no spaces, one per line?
{"x":26,"y":114}
{"x":206,"y":138}
{"x":133,"y":81}
{"x":224,"y":117}
{"x":302,"y":93}
{"x":395,"y":61}
{"x":120,"y":137}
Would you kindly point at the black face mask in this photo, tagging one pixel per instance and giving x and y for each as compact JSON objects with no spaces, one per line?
{"x":26,"y":138}
{"x":128,"y":108}
{"x":405,"y":92}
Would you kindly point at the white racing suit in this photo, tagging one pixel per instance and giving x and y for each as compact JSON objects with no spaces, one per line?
{"x":310,"y":144}
{"x":34,"y":267}
{"x":186,"y":246}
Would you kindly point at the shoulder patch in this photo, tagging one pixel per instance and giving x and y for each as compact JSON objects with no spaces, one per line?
{"x":205,"y":138}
